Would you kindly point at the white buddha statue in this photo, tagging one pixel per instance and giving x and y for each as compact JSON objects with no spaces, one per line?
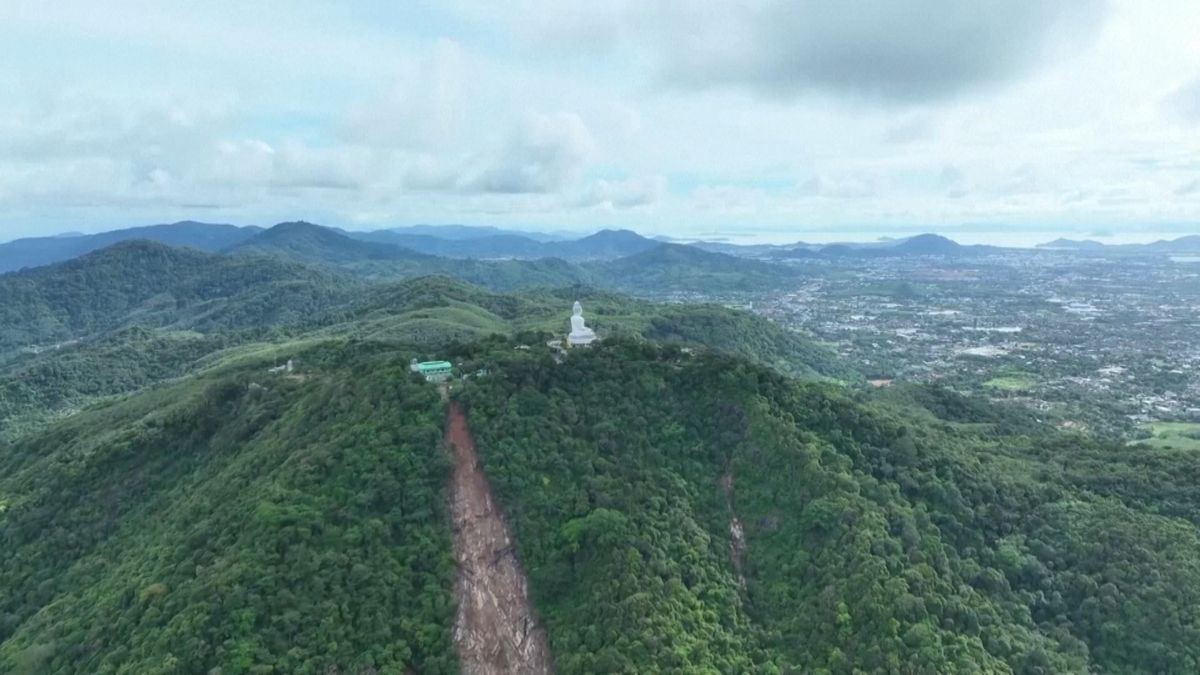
{"x":580,"y":335}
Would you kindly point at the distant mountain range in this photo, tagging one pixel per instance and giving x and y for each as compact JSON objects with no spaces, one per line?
{"x":1186,"y":244}
{"x":601,"y":245}
{"x":307,"y":242}
{"x":1073,"y":245}
{"x":609,"y":259}
{"x":38,"y":251}
{"x":464,"y":232}
{"x":420,"y":245}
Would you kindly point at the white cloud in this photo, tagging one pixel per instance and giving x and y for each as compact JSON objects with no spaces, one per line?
{"x":544,"y":154}
{"x":424,"y":108}
{"x":875,"y":49}
{"x":1185,"y":101}
{"x":751,"y":112}
{"x":624,"y":194}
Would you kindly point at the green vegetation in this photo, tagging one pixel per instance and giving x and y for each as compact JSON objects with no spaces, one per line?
{"x":254,"y":521}
{"x":168,"y":505}
{"x":877,"y":538}
{"x":673,"y":267}
{"x":651,"y":268}
{"x":148,"y":284}
{"x":1178,"y":435}
{"x":237,"y":522}
{"x":1012,"y":382}
{"x":57,"y":382}
{"x":139,"y":313}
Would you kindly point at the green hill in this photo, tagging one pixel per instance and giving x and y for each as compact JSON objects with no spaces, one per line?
{"x":649,"y":267}
{"x":232,"y":521}
{"x":470,"y":312}
{"x":150,"y":284}
{"x":138,"y":313}
{"x":875,"y":539}
{"x":675,"y":267}
{"x":310,"y":243}
{"x":674,"y":512}
{"x":382,"y":261}
{"x":38,"y":251}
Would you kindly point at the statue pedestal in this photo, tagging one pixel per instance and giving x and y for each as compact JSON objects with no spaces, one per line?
{"x":581,"y":339}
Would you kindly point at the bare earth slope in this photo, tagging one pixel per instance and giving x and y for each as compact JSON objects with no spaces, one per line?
{"x":495,"y":629}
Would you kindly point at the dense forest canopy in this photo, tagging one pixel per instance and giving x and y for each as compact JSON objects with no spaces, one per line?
{"x":140,"y":312}
{"x":876,"y":539}
{"x":702,"y":491}
{"x":246,"y":519}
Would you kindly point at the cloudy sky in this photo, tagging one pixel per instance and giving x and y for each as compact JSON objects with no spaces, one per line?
{"x":988,"y":120}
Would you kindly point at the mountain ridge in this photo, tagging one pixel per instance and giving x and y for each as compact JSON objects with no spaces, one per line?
{"x":39,"y":251}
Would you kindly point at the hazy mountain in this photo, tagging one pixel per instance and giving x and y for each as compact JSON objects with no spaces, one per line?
{"x":678,"y":267}
{"x":490,"y":246}
{"x":1188,"y":244}
{"x":315,"y":243}
{"x":603,"y":244}
{"x":1073,"y":245}
{"x":463,"y":232}
{"x":919,"y":245}
{"x":926,"y":244}
{"x":749,"y":250}
{"x":794,"y":253}
{"x":1185,"y":244}
{"x":922,"y":244}
{"x":37,"y":251}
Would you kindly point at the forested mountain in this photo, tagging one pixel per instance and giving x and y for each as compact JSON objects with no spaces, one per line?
{"x":146,"y":283}
{"x":38,"y":251}
{"x":603,"y":245}
{"x":232,"y":522}
{"x":465,"y":232}
{"x":617,"y":259}
{"x":492,"y":246}
{"x":316,"y":244}
{"x":137,"y":313}
{"x":673,"y":512}
{"x":437,"y":310}
{"x":872,"y":538}
{"x":677,"y":267}
{"x":919,"y":245}
{"x":377,"y":259}
{"x":699,"y":492}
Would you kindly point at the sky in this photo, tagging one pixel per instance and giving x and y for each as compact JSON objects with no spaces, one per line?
{"x":1003,"y":121}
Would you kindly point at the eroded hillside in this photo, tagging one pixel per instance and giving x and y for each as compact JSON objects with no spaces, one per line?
{"x":671,"y":511}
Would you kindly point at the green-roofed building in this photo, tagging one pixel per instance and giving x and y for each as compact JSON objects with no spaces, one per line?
{"x":433,"y":371}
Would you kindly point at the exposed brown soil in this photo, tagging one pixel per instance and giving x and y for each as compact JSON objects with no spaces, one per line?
{"x":496,"y":630}
{"x":737,"y":535}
